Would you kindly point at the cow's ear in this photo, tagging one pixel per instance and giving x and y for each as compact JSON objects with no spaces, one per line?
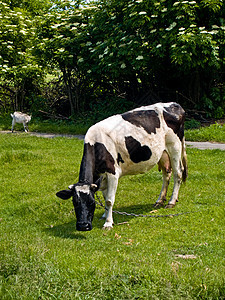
{"x":64,"y":194}
{"x":72,"y":187}
{"x":94,"y":187}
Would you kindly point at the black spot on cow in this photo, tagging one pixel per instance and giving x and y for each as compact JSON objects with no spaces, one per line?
{"x":174,"y":116}
{"x":147,"y":119}
{"x":87,"y":164}
{"x":104,"y":161}
{"x":96,"y":160}
{"x":119,"y":159}
{"x":137,"y":152}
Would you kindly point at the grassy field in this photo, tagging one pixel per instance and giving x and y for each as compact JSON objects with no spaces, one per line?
{"x":50,"y":126}
{"x":42,"y":256}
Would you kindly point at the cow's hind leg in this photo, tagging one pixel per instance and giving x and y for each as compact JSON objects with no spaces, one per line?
{"x":164,"y":165}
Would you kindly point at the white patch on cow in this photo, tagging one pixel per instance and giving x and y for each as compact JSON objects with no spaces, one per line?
{"x":71,"y":187}
{"x":82,"y":189}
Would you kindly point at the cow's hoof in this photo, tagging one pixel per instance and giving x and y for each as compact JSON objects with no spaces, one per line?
{"x":170,"y":206}
{"x":107,"y":226}
{"x":159,"y":204}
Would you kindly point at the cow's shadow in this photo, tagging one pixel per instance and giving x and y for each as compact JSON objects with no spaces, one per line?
{"x":65,"y":231}
{"x":68,"y":230}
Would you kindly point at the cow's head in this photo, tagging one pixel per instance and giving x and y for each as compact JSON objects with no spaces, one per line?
{"x":83,"y":201}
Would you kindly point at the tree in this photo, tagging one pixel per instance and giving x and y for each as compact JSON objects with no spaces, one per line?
{"x":159,"y":45}
{"x":19,"y":72}
{"x":61,"y":37}
{"x":138,"y":51}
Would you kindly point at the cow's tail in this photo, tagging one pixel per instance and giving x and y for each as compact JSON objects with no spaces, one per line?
{"x":184,"y":161}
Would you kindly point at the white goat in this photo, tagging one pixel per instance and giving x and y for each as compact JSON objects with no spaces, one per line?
{"x":18,"y":117}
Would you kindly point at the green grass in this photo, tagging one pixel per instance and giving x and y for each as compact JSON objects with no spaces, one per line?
{"x":36,"y":125}
{"x":42,"y":256}
{"x":214,"y":132}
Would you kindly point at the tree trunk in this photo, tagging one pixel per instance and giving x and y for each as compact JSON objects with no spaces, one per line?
{"x":68,"y":85}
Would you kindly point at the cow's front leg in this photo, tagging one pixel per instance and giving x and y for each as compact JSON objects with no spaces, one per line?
{"x":103,"y":189}
{"x":104,"y":193}
{"x":109,"y":200}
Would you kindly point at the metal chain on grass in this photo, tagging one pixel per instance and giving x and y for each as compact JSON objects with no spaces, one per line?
{"x":99,"y":202}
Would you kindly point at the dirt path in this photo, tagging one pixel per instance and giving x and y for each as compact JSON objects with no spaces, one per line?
{"x":206,"y":145}
{"x":53,"y":135}
{"x":198,"y":145}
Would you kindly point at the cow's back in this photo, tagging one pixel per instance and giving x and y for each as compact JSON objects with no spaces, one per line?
{"x":20,"y":117}
{"x":136,"y":139}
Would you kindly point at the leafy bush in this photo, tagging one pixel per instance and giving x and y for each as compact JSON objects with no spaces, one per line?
{"x":191,"y":124}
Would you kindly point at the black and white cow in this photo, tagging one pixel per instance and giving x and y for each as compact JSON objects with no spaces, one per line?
{"x":130,"y":143}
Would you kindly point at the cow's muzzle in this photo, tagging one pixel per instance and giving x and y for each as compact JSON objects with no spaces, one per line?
{"x":81,"y":226}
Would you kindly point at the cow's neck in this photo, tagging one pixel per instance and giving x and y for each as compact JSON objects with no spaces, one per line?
{"x":87,"y":164}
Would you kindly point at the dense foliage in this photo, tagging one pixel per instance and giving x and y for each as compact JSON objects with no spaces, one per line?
{"x":63,"y":57}
{"x":19,"y":71}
